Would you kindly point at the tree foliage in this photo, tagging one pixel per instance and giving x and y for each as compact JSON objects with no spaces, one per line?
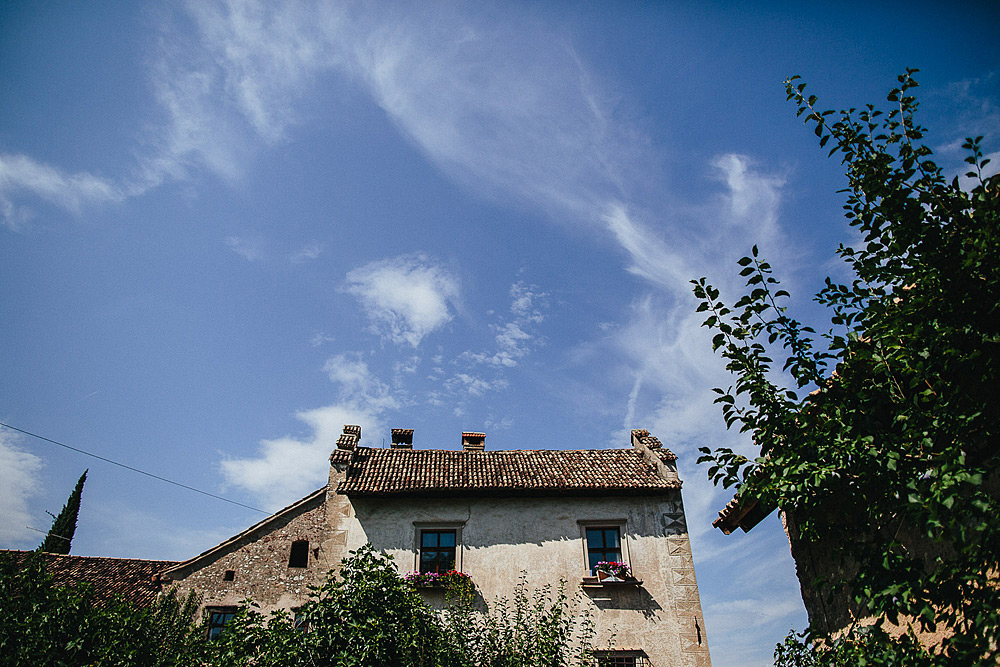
{"x":60,"y":535}
{"x":886,"y":439}
{"x":541,"y":629}
{"x":45,"y":624}
{"x":364,"y":614}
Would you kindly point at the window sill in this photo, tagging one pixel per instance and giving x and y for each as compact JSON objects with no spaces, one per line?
{"x":611,"y":581}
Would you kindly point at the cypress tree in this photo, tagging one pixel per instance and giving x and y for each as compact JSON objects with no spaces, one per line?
{"x":60,"y":535}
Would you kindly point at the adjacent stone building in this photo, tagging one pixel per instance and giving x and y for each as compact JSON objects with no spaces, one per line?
{"x":550,"y":514}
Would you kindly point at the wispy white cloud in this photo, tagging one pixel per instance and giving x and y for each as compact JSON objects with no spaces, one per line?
{"x":406,"y":298}
{"x":289,"y":467}
{"x":250,"y":249}
{"x":308,"y":252}
{"x":20,"y":174}
{"x":19,"y":481}
{"x":507,"y":113}
{"x":514,"y":335}
{"x":359,"y":385}
{"x":974,"y":112}
{"x":320,"y":337}
{"x":473,"y":385}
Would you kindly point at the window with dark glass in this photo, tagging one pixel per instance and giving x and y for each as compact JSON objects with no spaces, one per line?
{"x":299,"y":556}
{"x":437,"y":551}
{"x":604,"y":543}
{"x":217,"y":619}
{"x":299,"y":623}
{"x":621,"y":659}
{"x":229,"y":575}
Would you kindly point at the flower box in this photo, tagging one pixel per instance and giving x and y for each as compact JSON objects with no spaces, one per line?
{"x":613,"y":569}
{"x":444,"y":580}
{"x":610,"y":573}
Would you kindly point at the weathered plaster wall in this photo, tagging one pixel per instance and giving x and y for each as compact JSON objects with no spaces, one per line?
{"x":543,"y":537}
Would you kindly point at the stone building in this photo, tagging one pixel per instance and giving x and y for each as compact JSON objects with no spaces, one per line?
{"x":550,"y":514}
{"x":830,"y":610}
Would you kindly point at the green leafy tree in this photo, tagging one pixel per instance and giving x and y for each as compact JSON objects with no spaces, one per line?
{"x":885,"y":440}
{"x":366,"y":614}
{"x":363,"y":615}
{"x":45,"y":624}
{"x":60,"y":535}
{"x":543,"y":628}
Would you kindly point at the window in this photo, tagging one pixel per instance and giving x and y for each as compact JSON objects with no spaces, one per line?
{"x":230,"y":575}
{"x":217,"y":619}
{"x":299,"y":622}
{"x":437,"y":550}
{"x":621,"y":659}
{"x":604,"y":543}
{"x":299,"y":556}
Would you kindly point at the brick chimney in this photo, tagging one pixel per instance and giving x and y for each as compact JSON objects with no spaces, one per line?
{"x":402,"y":438}
{"x":641,"y":435}
{"x":651,"y":449}
{"x":473,"y":442}
{"x":350,"y":438}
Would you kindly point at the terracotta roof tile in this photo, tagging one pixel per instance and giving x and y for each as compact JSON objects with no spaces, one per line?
{"x":132,"y":579}
{"x":383,"y":472}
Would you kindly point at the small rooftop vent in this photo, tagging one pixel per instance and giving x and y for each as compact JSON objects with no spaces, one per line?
{"x":402,"y":438}
{"x":473,"y":442}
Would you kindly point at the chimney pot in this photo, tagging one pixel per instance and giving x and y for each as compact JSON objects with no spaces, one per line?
{"x":473,"y":441}
{"x":350,"y":437}
{"x":402,"y":438}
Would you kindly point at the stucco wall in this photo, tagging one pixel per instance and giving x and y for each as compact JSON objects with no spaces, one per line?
{"x":543,"y":537}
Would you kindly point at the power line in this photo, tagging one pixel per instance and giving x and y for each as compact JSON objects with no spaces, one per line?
{"x":127,"y":467}
{"x":45,"y":532}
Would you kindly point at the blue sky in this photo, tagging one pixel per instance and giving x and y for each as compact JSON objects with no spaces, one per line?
{"x":227,"y":229}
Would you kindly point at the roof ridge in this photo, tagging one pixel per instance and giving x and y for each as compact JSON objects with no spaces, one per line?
{"x":498,"y":451}
{"x":118,"y":558}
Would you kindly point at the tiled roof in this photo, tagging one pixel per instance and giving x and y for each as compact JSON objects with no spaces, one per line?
{"x":739,"y":514}
{"x":341,"y":456}
{"x":384,"y":472}
{"x":131,"y":579}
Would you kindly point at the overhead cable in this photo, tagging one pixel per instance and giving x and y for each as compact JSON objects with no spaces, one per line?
{"x":128,"y":467}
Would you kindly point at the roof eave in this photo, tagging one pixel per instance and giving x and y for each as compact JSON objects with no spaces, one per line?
{"x":507,"y":492}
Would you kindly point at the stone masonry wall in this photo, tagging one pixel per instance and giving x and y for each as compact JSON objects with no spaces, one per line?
{"x":259,"y":563}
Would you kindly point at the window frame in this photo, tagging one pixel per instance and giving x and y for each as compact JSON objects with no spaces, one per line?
{"x":216,"y":629}
{"x":622,"y":658}
{"x":420,"y":527}
{"x":623,"y":543}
